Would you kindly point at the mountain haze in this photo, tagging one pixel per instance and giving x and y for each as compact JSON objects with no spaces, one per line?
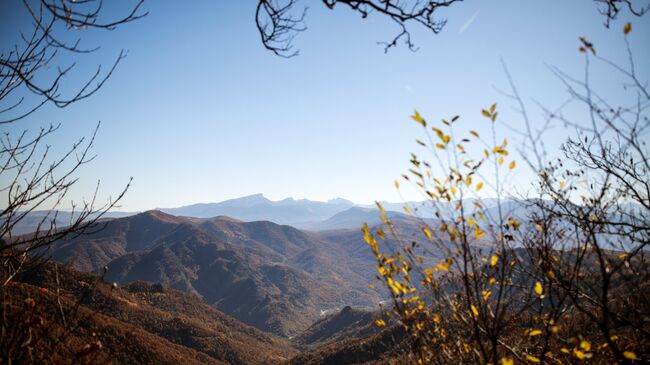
{"x":257,"y":207}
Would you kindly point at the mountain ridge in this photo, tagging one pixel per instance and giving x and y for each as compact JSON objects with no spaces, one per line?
{"x":271,"y":276}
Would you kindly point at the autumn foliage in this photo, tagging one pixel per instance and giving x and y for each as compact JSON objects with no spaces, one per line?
{"x":557,"y":276}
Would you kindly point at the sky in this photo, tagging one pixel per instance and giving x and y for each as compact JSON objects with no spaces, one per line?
{"x":199,"y":111}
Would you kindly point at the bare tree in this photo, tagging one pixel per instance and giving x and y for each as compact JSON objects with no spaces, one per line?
{"x":32,"y":76}
{"x":279,"y":21}
{"x":611,"y":8}
{"x":26,"y":66}
{"x":30,"y":178}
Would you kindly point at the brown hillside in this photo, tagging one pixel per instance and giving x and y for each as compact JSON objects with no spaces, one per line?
{"x":171,"y":327}
{"x":276,"y":278}
{"x":347,"y":324}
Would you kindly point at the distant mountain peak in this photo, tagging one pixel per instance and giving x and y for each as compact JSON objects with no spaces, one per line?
{"x":248,"y":200}
{"x":340,"y":201}
{"x":157,"y":214}
{"x":257,"y":207}
{"x":258,"y":196}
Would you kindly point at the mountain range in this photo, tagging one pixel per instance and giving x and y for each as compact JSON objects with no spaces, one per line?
{"x":306,"y":287}
{"x":257,"y":207}
{"x":274,"y":277}
{"x":300,"y":213}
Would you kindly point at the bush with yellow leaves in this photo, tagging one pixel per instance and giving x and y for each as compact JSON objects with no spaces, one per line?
{"x":557,"y":277}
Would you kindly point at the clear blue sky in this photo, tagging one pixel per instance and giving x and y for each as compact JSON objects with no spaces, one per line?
{"x":199,"y":111}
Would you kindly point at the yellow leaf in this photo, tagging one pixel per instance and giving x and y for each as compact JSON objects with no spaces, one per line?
{"x":382,"y":270}
{"x":381,"y":208}
{"x":440,"y":145}
{"x":367,"y":236}
{"x":418,"y":118}
{"x":587,"y":45}
{"x":500,"y":160}
{"x":380,"y":322}
{"x":514,"y":223}
{"x":416,"y":173}
{"x":396,"y":184}
{"x":507,"y":361}
{"x":492,"y":281}
{"x":479,"y":186}
{"x":494,"y":260}
{"x":512,"y":165}
{"x":485,"y":113}
{"x":426,"y":232}
{"x":629,"y":354}
{"x":532,"y":359}
{"x":407,"y":210}
{"x":627,"y":28}
{"x":494,"y":106}
{"x":474,"y":133}
{"x":444,"y":265}
{"x":474,"y":310}
{"x":500,"y":150}
{"x":585,"y":345}
{"x":539,"y":289}
{"x":535,"y":333}
{"x":486,"y":294}
{"x":478,"y":233}
{"x":579,"y":354}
